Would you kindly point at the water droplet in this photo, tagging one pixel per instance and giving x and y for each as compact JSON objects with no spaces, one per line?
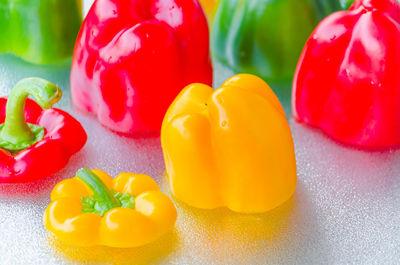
{"x":94,"y":32}
{"x":224,"y":124}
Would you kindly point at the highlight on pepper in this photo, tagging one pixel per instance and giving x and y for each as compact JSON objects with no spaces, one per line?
{"x":36,"y":140}
{"x":347,"y":81}
{"x":231,"y":147}
{"x":94,"y":209}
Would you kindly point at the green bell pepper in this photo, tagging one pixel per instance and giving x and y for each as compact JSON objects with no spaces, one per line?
{"x":326,"y":7}
{"x":39,"y":31}
{"x":262,"y":37}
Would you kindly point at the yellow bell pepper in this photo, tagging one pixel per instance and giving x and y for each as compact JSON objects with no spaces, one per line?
{"x":229,"y":147}
{"x":94,"y":209}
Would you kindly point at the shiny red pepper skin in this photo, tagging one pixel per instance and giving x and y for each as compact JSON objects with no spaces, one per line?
{"x":348,"y":78}
{"x":133,"y":57}
{"x":63,"y":137}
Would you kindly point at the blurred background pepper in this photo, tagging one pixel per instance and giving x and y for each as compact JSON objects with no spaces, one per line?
{"x":265,"y":37}
{"x":326,"y":7}
{"x":40,"y":31}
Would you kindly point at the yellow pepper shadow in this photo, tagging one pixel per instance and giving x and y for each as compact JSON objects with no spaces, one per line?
{"x":220,"y":235}
{"x":223,"y":229}
{"x":105,"y":255}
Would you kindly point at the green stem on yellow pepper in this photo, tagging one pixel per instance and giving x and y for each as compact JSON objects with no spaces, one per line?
{"x":103,"y":198}
{"x":16,"y":134}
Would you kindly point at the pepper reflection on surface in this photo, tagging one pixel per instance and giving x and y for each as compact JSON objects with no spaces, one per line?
{"x":221,"y":236}
{"x":158,"y":250}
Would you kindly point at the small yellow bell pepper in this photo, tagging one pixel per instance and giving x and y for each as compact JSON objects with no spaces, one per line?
{"x":229,"y":147}
{"x":94,"y":209}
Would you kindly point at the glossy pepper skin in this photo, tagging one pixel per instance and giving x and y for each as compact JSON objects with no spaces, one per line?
{"x":133,"y":57}
{"x":40,"y":31}
{"x":133,"y":211}
{"x":42,"y":147}
{"x":347,"y":82}
{"x":230,"y":147}
{"x":262,"y":37}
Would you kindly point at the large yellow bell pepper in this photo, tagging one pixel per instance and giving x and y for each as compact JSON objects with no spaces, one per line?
{"x":94,"y":209}
{"x":229,"y":147}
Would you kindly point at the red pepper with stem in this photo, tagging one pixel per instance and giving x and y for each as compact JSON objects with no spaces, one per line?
{"x":35,"y":143}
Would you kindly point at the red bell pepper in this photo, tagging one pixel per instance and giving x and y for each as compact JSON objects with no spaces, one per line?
{"x":347,"y":81}
{"x":133,"y":57}
{"x":35,"y":143}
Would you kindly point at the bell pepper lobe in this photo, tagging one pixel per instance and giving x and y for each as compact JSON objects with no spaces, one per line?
{"x":133,"y":57}
{"x":231,"y":147}
{"x":347,"y":81}
{"x":94,"y":209}
{"x":36,"y":140}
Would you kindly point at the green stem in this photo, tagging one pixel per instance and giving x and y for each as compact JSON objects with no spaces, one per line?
{"x":15,"y":130}
{"x":103,"y":195}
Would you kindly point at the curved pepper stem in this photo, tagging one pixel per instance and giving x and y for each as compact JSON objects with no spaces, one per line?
{"x":16,"y":134}
{"x":104,"y":199}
